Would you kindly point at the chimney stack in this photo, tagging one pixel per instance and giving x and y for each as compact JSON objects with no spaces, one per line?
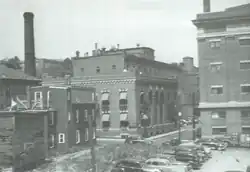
{"x":206,"y":6}
{"x":29,"y":50}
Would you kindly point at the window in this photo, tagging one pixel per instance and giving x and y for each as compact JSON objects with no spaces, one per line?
{"x":245,"y":65}
{"x":68,"y":95}
{"x":94,"y":132}
{"x":98,"y":70}
{"x":77,"y":116}
{"x":51,"y":118}
{"x":245,"y":41}
{"x":93,"y":114}
{"x":142,"y":98}
{"x":38,"y":96}
{"x":219,"y":130}
{"x":245,"y":114}
{"x":48,"y":98}
{"x":28,"y":145}
{"x":214,"y":44}
{"x":86,"y":115}
{"x":69,"y":116}
{"x":51,"y":141}
{"x":82,"y":69}
{"x":218,"y":115}
{"x":245,"y":130}
{"x":245,"y":88}
{"x":78,"y":140}
{"x":217,"y":89}
{"x":215,"y":67}
{"x":61,"y":138}
{"x":113,"y":66}
{"x":93,"y":96}
{"x":86,"y":134}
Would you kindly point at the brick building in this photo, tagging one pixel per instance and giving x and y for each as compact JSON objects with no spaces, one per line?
{"x":68,"y":125}
{"x":21,"y":144}
{"x":224,"y":69}
{"x":129,"y":84}
{"x":13,"y":84}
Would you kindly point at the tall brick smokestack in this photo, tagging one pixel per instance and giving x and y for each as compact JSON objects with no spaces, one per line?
{"x":206,"y":6}
{"x":29,"y":50}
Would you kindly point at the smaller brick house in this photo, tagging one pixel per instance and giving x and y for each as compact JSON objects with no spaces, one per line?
{"x":21,"y":145}
{"x":68,"y":125}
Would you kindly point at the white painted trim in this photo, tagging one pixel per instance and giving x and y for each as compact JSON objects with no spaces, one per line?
{"x":214,"y":40}
{"x":77,"y":116}
{"x":78,"y":137}
{"x":56,"y":87}
{"x":244,"y":37}
{"x":63,"y":138}
{"x":245,"y":126}
{"x":220,"y":34}
{"x":48,"y":98}
{"x":216,"y":86}
{"x":86,"y":115}
{"x":216,"y":63}
{"x":86,"y":134}
{"x":242,"y":85}
{"x":245,"y":61}
{"x":219,"y":127}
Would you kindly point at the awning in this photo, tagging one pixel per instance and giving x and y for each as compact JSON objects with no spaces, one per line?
{"x":124,"y":117}
{"x":123,"y":95}
{"x":105,"y":96}
{"x":105,"y":118}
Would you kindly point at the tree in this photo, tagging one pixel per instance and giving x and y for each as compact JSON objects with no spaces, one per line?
{"x":13,"y":63}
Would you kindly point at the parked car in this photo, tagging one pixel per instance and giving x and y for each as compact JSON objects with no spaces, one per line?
{"x":164,"y":165}
{"x":205,"y":152}
{"x":132,"y":165}
{"x":172,"y":160}
{"x":212,"y":143}
{"x":189,"y":155}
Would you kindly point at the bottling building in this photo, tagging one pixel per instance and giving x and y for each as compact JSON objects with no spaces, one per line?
{"x":130,"y":86}
{"x":224,"y":69}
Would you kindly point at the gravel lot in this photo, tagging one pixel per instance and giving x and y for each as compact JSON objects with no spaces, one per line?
{"x":232,"y":159}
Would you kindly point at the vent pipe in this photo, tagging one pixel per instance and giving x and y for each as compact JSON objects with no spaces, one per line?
{"x":206,"y":6}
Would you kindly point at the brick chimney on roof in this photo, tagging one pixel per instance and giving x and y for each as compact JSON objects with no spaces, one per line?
{"x":29,"y":46}
{"x":206,"y":6}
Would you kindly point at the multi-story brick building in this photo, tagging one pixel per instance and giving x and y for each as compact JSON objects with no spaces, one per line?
{"x":224,"y":69}
{"x":13,"y":84}
{"x":129,"y":84}
{"x":68,"y":124}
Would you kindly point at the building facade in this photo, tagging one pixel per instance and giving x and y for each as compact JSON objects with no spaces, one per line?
{"x":13,"y":85}
{"x":224,"y":69}
{"x":68,"y":124}
{"x":130,"y":84}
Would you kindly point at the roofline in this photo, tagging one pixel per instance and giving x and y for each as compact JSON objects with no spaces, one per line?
{"x":27,"y":111}
{"x":23,"y":79}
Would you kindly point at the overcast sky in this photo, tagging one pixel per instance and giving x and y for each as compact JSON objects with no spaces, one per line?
{"x":64,"y":26}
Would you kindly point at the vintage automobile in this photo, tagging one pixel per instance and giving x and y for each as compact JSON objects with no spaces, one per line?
{"x":212,"y":143}
{"x":164,"y":165}
{"x":205,"y":152}
{"x":132,"y":165}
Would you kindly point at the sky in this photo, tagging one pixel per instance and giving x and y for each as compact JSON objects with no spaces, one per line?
{"x":64,"y":26}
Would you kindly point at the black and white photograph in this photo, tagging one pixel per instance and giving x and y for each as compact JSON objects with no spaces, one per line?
{"x":125,"y":86}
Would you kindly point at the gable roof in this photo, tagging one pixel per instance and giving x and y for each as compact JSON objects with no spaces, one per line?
{"x":9,"y":73}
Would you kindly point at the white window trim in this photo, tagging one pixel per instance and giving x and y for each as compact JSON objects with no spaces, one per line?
{"x":48,"y":98}
{"x":59,"y":138}
{"x":78,"y":137}
{"x":244,"y":85}
{"x":85,"y":115}
{"x":86,"y":134}
{"x":69,"y":116}
{"x":39,"y":102}
{"x":77,"y":116}
{"x":94,"y":132}
{"x":93,"y":97}
{"x":219,"y":127}
{"x":215,"y":63}
{"x":52,"y":137}
{"x":68,"y":95}
{"x":214,"y":40}
{"x":216,"y":86}
{"x":245,"y":61}
{"x":52,"y":114}
{"x":245,"y":126}
{"x":243,"y":37}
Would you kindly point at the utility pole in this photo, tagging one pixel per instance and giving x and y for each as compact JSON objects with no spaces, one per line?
{"x":92,"y":143}
{"x":193,"y":121}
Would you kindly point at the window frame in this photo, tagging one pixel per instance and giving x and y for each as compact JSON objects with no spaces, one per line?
{"x":48,"y":98}
{"x":94,"y":132}
{"x":216,"y":44}
{"x":114,"y":67}
{"x":244,"y":39}
{"x":215,"y":64}
{"x":52,"y":137}
{"x":68,"y":95}
{"x":77,"y":116}
{"x":242,"y":62}
{"x":93,"y":114}
{"x":39,"y":101}
{"x":69,"y":116}
{"x":86,"y":114}
{"x":86,"y":136}
{"x":52,"y":115}
{"x":59,"y":138}
{"x":216,"y":86}
{"x":244,"y":85}
{"x":221,"y":133}
{"x":218,"y":113}
{"x":245,"y":111}
{"x":78,"y":136}
{"x":98,"y":69}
